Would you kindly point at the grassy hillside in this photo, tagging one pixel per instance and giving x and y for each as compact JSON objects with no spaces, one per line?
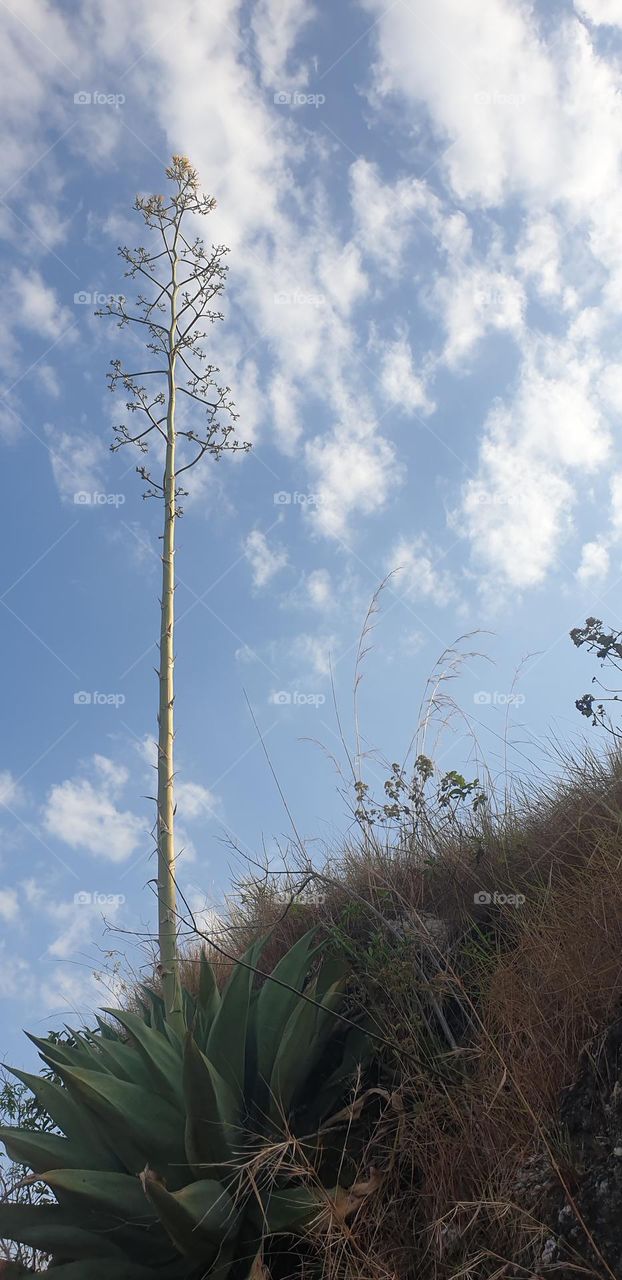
{"x":486,"y":950}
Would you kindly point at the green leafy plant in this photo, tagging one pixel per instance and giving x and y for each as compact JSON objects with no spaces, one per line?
{"x":607,"y":648}
{"x":178,"y":1158}
{"x":406,"y":796}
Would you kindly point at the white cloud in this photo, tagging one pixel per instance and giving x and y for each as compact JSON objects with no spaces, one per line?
{"x":194,"y":800}
{"x":37,"y":307}
{"x":84,"y":814}
{"x":315,"y":653}
{"x":342,"y":277}
{"x":538,"y":254}
{"x":285,"y":401}
{"x":610,"y":387}
{"x":475,"y":300}
{"x":403,"y":387}
{"x":264,"y":560}
{"x":616,"y":504}
{"x":420,"y":573}
{"x":517,"y":511}
{"x":77,"y":460}
{"x":516,"y":115}
{"x":602,"y":12}
{"x":594,"y":564}
{"x":10,"y":791}
{"x":319,"y":588}
{"x":387,"y":215}
{"x":277,"y":25}
{"x":9,"y":905}
{"x":16,"y":979}
{"x":349,"y":475}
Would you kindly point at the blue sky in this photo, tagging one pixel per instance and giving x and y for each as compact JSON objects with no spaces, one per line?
{"x":422,"y":338}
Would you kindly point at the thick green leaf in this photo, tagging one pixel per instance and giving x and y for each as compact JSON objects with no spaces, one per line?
{"x":356,"y":1051}
{"x":108,"y":1032}
{"x":303,"y":1040}
{"x":70,"y":1117}
{"x":286,"y":1211}
{"x":275,"y":1004}
{"x":212,"y":1121}
{"x":69,"y":1055}
{"x":226,"y":1045}
{"x":209,"y":995}
{"x":116,"y":1194}
{"x":141,"y":1125}
{"x":197,"y":1218}
{"x":54,"y":1230}
{"x":123,"y":1061}
{"x":157,"y":1053}
{"x":42,"y":1151}
{"x":156,"y":1005}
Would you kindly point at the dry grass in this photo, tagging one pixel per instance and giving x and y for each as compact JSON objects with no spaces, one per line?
{"x":468,"y":1157}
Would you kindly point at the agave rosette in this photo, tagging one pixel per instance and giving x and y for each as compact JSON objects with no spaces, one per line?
{"x":157,"y":1162}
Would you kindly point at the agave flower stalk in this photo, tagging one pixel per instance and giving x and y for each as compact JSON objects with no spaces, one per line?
{"x":183,"y":282}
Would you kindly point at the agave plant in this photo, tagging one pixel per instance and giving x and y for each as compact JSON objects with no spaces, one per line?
{"x":159,"y":1163}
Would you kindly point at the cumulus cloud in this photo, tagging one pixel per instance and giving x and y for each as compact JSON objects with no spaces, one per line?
{"x":520,"y":115}
{"x":594,"y":564}
{"x":78,"y":461}
{"x":518,"y":509}
{"x":602,"y":12}
{"x":349,"y":475}
{"x":277,"y":25}
{"x":10,"y":790}
{"x":9,"y":905}
{"x":265,"y":561}
{"x":84,"y":813}
{"x":387,"y":215}
{"x":419,"y":572}
{"x":319,"y":588}
{"x":403,"y":386}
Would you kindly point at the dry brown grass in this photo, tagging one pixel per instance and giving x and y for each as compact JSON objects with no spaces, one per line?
{"x":469,"y":1148}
